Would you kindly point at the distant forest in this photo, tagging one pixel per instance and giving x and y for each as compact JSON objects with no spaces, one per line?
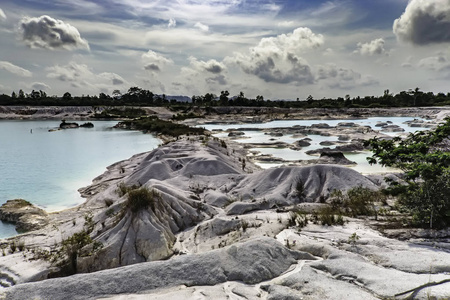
{"x":136,"y":96}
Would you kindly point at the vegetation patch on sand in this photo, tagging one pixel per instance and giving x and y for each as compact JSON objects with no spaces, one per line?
{"x":153,"y":124}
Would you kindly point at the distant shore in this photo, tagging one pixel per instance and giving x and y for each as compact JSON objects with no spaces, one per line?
{"x":221,"y":114}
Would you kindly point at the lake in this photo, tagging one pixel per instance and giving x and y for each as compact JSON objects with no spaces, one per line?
{"x":251,"y":136}
{"x":47,"y":168}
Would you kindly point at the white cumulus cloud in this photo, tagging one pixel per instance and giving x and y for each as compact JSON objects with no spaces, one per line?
{"x":212,"y":65}
{"x":202,"y":27}
{"x":375,"y":47}
{"x":154,"y":61}
{"x":424,"y":22}
{"x":48,"y":33}
{"x":278,"y":59}
{"x":7,"y":66}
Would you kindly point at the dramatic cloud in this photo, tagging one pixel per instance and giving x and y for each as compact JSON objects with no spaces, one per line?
{"x":211,"y":71}
{"x":341,"y":78}
{"x":424,"y":22}
{"x":2,"y":15}
{"x":48,"y":33}
{"x":154,"y":61}
{"x":7,"y":66}
{"x":277,"y":59}
{"x":202,"y":27}
{"x":40,"y":86}
{"x":375,"y":47}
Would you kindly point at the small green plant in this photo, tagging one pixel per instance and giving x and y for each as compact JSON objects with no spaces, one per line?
{"x":357,"y":201}
{"x":244,"y":225}
{"x":21,"y":246}
{"x":13,"y":247}
{"x":353,"y":239}
{"x":123,"y":189}
{"x":109,"y":212}
{"x":300,"y":189}
{"x":71,"y":247}
{"x":327,"y":216}
{"x":298,"y":219}
{"x":279,"y":219}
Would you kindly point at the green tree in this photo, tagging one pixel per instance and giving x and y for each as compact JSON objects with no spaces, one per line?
{"x":224,"y":98}
{"x":67,"y":96}
{"x":425,"y":159}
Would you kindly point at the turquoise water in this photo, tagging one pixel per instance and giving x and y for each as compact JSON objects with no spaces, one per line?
{"x":47,"y":168}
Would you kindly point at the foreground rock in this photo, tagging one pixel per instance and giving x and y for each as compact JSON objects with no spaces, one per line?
{"x":23,"y":214}
{"x":250,"y":262}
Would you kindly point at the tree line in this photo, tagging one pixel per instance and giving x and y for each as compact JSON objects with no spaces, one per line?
{"x":136,"y":96}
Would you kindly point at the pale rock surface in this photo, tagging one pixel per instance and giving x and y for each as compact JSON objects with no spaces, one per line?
{"x":250,"y":262}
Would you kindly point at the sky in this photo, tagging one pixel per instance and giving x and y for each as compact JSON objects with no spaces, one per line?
{"x":279,"y":49}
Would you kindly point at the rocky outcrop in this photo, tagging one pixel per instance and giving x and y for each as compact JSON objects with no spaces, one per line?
{"x":68,"y":125}
{"x":236,"y":134}
{"x":251,"y":262}
{"x":87,"y":125}
{"x":333,"y":157}
{"x":23,"y":214}
{"x":352,"y":147}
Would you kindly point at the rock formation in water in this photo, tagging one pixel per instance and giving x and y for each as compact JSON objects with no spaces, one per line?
{"x":68,"y":125}
{"x":23,"y":214}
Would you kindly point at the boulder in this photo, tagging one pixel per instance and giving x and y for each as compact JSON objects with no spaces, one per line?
{"x":23,"y":214}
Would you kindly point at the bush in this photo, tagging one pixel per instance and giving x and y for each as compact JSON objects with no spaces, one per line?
{"x":327,"y":216}
{"x":358,"y":201}
{"x":142,"y":198}
{"x":123,"y":189}
{"x":300,"y":189}
{"x":429,"y":202}
{"x":298,"y":219}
